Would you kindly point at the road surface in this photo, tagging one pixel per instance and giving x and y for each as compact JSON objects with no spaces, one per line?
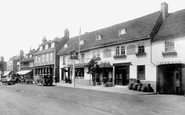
{"x":37,"y":100}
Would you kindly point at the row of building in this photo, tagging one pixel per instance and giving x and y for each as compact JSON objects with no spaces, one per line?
{"x":148,"y":48}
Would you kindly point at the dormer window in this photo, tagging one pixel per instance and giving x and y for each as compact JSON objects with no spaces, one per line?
{"x":81,"y":42}
{"x":122,"y":31}
{"x":65,"y":45}
{"x":98,"y":37}
{"x":49,"y":45}
{"x":43,"y":47}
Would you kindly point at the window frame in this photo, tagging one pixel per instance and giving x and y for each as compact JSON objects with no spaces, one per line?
{"x":141,"y":75}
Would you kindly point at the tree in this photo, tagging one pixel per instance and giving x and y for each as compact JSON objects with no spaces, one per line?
{"x":92,"y":66}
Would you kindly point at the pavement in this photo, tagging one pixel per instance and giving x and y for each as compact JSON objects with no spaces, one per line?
{"x":116,"y":89}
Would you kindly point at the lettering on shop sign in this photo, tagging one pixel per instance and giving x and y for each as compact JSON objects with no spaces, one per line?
{"x":170,"y":62}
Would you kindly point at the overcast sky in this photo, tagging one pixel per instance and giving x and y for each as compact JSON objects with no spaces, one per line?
{"x":23,"y":23}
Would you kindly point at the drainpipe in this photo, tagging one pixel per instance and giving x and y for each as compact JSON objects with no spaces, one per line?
{"x":157,"y":83}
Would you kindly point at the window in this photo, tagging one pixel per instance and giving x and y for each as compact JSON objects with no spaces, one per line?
{"x":43,"y":58}
{"x":98,"y":37}
{"x":82,"y":57}
{"x":141,"y":48}
{"x":47,"y":57}
{"x":98,"y":53}
{"x":49,"y":45}
{"x":122,"y":31}
{"x":43,"y":47}
{"x":117,"y":50}
{"x":51,"y":56}
{"x":52,"y":45}
{"x":65,"y":45}
{"x":39,"y":59}
{"x":81,"y":42}
{"x":120,"y":50}
{"x":141,"y":72}
{"x":169,"y":46}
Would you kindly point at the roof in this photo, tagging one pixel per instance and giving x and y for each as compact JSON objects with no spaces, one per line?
{"x":173,"y":25}
{"x":27,"y":59}
{"x":50,"y":41}
{"x":23,"y":72}
{"x":137,"y":29}
{"x":6,"y":73}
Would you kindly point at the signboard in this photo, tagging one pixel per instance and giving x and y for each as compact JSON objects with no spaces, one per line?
{"x":73,"y":55}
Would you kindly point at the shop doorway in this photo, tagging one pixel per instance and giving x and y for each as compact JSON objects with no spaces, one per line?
{"x":121,"y":75}
{"x":169,"y":79}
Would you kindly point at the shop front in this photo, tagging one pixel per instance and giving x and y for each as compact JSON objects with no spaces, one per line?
{"x":171,"y":79}
{"x":44,"y":70}
{"x":121,"y":74}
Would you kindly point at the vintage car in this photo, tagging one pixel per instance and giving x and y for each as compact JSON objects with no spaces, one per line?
{"x":7,"y":81}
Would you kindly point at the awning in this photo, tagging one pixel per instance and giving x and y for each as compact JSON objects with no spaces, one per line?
{"x":23,"y":72}
{"x":105,"y":65}
{"x":122,"y":64}
{"x":6,"y":73}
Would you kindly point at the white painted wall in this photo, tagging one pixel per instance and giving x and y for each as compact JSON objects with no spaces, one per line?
{"x":159,"y":46}
{"x":150,"y":69}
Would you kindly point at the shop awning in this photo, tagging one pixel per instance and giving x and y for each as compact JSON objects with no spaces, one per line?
{"x":6,"y":73}
{"x":23,"y":72}
{"x":105,"y":65}
{"x":122,"y":64}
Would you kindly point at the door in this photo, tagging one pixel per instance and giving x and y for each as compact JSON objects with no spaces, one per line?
{"x":121,"y":76}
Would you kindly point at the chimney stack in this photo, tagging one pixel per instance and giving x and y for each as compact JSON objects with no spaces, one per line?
{"x":66,"y":33}
{"x":164,"y":10}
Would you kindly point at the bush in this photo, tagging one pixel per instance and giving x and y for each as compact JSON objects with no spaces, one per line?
{"x":144,"y":88}
{"x":108,"y":84}
{"x":135,"y":86}
{"x":149,"y":88}
{"x":130,"y":86}
{"x":139,"y":87}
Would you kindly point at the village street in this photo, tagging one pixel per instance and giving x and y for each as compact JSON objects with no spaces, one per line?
{"x":23,"y":99}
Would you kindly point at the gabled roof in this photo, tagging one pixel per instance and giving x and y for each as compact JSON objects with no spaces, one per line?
{"x":173,"y":25}
{"x":137,"y":29}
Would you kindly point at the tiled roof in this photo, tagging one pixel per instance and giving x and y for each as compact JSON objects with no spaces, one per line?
{"x":137,"y":29}
{"x":172,"y":26}
{"x":27,"y":59}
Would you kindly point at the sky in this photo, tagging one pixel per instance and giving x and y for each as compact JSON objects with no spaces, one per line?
{"x":24,"y":23}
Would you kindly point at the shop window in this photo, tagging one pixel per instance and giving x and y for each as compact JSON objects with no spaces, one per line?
{"x":141,"y":72}
{"x":79,"y":72}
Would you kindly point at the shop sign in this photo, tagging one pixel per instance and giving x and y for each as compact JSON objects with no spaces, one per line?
{"x":170,"y":62}
{"x":73,"y":55}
